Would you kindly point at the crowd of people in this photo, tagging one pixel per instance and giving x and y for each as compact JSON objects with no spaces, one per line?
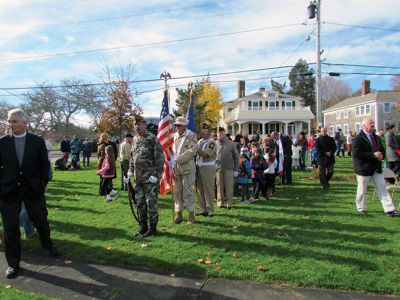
{"x":216,"y":167}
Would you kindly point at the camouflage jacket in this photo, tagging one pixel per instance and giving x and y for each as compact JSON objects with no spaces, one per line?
{"x":185,"y":149}
{"x":147,"y":157}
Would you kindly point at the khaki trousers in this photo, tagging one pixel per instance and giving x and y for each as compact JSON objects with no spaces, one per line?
{"x":225,"y":187}
{"x":183,"y":192}
{"x":205,"y":186}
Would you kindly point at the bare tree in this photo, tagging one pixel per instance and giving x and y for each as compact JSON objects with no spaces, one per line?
{"x":334,"y":91}
{"x":395,"y":80}
{"x":4,"y":108}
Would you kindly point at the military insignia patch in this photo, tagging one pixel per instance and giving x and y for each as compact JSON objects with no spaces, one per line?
{"x":211,"y":146}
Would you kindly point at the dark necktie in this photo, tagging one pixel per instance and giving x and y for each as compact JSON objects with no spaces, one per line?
{"x":374,"y":143}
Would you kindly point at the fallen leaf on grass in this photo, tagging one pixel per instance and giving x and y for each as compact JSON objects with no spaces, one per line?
{"x":143,"y":245}
{"x":257,"y":260}
{"x":217,"y":267}
{"x":109,"y":248}
{"x":236,"y":254}
{"x":8,"y":286}
{"x":205,"y":261}
{"x":172,"y":275}
{"x":261,"y":268}
{"x":67,"y":262}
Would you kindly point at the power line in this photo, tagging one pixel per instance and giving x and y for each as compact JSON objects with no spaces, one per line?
{"x":156,"y":79}
{"x":363,"y":27}
{"x":149,"y":44}
{"x":361,"y":66}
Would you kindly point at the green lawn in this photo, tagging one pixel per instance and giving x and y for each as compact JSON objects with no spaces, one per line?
{"x":303,"y":236}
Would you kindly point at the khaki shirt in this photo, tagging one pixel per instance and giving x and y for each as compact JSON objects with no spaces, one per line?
{"x":185,"y":149}
{"x":125,"y":151}
{"x":227,"y":155}
{"x":209,"y":146}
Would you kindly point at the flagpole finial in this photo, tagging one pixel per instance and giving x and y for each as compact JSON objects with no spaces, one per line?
{"x":165,"y":75}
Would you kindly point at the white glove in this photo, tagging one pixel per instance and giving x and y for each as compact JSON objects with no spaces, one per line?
{"x":130,"y":174}
{"x":152,"y":179}
{"x":235,"y":173}
{"x":172,"y":163}
{"x":126,"y":180}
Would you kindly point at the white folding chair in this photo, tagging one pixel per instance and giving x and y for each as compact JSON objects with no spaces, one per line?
{"x":393,"y":187}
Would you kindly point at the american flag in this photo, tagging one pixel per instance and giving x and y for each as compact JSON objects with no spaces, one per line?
{"x":166,"y":138}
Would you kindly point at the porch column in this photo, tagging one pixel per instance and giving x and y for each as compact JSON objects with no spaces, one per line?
{"x":309,"y":127}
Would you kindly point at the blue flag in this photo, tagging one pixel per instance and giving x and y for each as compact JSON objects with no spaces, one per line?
{"x":190,"y":115}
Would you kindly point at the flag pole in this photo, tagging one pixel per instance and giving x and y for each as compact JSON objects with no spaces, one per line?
{"x":166,"y":75}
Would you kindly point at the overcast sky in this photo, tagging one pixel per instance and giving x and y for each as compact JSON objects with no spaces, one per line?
{"x":251,"y":35}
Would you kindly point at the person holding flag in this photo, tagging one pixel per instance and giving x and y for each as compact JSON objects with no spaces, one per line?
{"x":146,"y":165}
{"x":183,"y":164}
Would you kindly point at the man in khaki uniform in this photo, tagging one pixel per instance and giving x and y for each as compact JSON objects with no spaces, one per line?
{"x":227,"y":165}
{"x":125,"y":157}
{"x":206,"y":155}
{"x":185,"y":149}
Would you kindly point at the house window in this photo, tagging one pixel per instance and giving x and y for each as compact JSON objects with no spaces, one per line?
{"x":255,"y":105}
{"x":345,"y":113}
{"x":338,"y":114}
{"x":283,"y":104}
{"x":249,"y":105}
{"x":367,"y":109}
{"x":331,"y":130}
{"x":230,"y":109}
{"x":289,"y":105}
{"x":271,"y":95}
{"x":266,"y":104}
{"x":346,"y":129}
{"x":362,"y":110}
{"x":272,"y":105}
{"x":386,"y":107}
{"x":357,"y":110}
{"x":357,"y":127}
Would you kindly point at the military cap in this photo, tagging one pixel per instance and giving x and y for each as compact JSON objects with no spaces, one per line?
{"x":181,"y":121}
{"x":139,"y":119}
{"x":205,"y":126}
{"x":104,"y":136}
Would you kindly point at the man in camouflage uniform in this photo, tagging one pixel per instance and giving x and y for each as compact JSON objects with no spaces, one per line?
{"x":146,"y":165}
{"x":185,"y":149}
{"x":205,"y":179}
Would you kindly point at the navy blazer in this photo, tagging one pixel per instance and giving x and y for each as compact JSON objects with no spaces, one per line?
{"x":29,"y":179}
{"x":364,"y":160}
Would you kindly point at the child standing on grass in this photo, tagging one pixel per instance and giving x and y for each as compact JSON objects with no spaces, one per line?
{"x":296,"y":150}
{"x":258,"y":165}
{"x":269,"y":172}
{"x":107,"y":173}
{"x":244,"y":174}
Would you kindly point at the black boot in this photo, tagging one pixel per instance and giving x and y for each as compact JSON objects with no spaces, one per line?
{"x":151,"y":231}
{"x":143,"y":229}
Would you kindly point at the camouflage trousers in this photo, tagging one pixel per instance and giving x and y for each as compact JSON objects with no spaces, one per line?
{"x":146,"y":195}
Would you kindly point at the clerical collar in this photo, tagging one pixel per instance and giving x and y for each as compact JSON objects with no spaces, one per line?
{"x":19,"y":135}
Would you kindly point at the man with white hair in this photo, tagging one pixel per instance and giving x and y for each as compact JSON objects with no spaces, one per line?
{"x":185,"y":149}
{"x":23,"y":178}
{"x":368,"y":154}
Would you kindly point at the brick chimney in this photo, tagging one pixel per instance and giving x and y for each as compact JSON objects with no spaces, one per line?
{"x":365,"y":87}
{"x":241,"y":88}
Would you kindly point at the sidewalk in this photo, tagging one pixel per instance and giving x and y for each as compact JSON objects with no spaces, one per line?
{"x":79,"y":279}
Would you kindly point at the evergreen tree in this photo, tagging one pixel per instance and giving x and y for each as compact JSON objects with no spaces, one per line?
{"x":302,"y":83}
{"x":278,"y":87}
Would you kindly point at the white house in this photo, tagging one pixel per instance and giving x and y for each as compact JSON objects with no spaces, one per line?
{"x":264,"y":112}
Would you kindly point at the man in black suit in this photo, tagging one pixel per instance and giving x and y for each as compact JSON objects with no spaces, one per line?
{"x":326,"y":147}
{"x":368,"y":153}
{"x":24,"y":173}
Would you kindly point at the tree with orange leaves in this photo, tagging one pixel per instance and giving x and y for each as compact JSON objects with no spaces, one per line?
{"x":119,"y":115}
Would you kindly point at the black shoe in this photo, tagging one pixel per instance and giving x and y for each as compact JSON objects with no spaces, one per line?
{"x":11,"y":272}
{"x":393,"y":213}
{"x":54,"y":251}
{"x":363,"y":212}
{"x":152,"y":231}
{"x":204,"y":214}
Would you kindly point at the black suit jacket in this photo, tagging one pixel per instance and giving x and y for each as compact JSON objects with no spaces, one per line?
{"x":364,"y":161}
{"x":325,"y":144}
{"x":29,"y":179}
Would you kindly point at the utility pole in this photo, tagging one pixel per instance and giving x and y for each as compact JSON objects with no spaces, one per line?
{"x":314,"y":9}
